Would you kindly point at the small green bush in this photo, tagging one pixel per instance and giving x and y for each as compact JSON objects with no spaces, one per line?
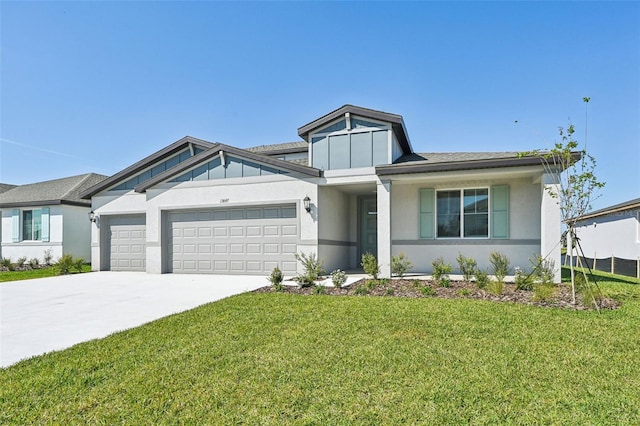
{"x":21,"y":261}
{"x":338,"y":278}
{"x":78,"y":263}
{"x":589,"y":292}
{"x":467,"y":266}
{"x":427,"y":291}
{"x":499,"y":265}
{"x":416,"y":283}
{"x":64,"y":264}
{"x":276,"y":278}
{"x":441,"y":270}
{"x":370,"y":265}
{"x":48,"y":257}
{"x":543,"y":292}
{"x":444,"y":282}
{"x":362,"y":290}
{"x":304,"y":280}
{"x":464,"y":292}
{"x":319,"y":289}
{"x":523,"y":281}
{"x":400,"y":265}
{"x":482,"y":279}
{"x":544,"y":269}
{"x":6,"y":262}
{"x":311,"y":264}
{"x":34,"y":263}
{"x":390,"y":292}
{"x":496,"y":287}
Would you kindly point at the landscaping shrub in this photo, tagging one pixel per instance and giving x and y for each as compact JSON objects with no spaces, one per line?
{"x":6,"y":263}
{"x":543,"y":292}
{"x":427,"y":291}
{"x":276,"y":279}
{"x":499,"y":265}
{"x":48,"y":257}
{"x":523,"y":281}
{"x":400,"y":265}
{"x":441,"y":270}
{"x":588,"y":291}
{"x":370,"y":265}
{"x":319,"y":289}
{"x":21,"y":261}
{"x":482,"y":278}
{"x":311,"y":264}
{"x":34,"y":263}
{"x":467,"y":266}
{"x":64,"y":264}
{"x":496,"y":287}
{"x":338,"y":278}
{"x":444,"y":282}
{"x":78,"y":263}
{"x":544,"y":269}
{"x":304,"y":280}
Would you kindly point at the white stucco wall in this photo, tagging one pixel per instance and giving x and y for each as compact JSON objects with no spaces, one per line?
{"x":33,"y":249}
{"x":617,"y":234}
{"x":524,"y":223}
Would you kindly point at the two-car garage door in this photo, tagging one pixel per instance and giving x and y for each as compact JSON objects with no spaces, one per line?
{"x":249,"y":240}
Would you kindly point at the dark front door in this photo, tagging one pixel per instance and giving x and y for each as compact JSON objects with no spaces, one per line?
{"x":369,"y":226}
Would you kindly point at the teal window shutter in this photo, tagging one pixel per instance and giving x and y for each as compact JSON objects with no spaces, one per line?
{"x":15,"y":222}
{"x":45,"y":224}
{"x":500,"y":211}
{"x":427,"y":213}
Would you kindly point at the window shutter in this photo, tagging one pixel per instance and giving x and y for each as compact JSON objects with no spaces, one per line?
{"x":45,"y":224}
{"x":15,"y":222}
{"x":427,"y":211}
{"x":500,"y":211}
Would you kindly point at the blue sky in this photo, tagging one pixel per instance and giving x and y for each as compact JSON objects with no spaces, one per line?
{"x":96,"y":86}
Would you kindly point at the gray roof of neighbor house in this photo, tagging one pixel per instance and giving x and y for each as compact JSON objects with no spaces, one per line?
{"x":620,"y":207}
{"x":51,"y":192}
{"x":4,"y":187}
{"x":280,"y":148}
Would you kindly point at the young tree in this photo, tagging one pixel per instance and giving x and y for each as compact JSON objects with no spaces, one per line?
{"x":577,"y":186}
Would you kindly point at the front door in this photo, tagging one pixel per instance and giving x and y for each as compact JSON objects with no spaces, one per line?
{"x":369,"y":226}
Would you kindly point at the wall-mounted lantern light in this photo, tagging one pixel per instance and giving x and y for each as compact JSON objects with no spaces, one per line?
{"x":92,"y":217}
{"x":307,"y":204}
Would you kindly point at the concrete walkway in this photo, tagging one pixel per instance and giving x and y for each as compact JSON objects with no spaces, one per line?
{"x":48,"y":314}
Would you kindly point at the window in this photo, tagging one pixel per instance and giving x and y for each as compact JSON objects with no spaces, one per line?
{"x":32,"y":225}
{"x":465,"y":213}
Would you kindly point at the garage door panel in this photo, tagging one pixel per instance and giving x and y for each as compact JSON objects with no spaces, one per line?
{"x":234,"y":240}
{"x":126,"y":243}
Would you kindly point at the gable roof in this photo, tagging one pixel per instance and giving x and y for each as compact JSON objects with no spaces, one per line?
{"x":236,"y":152}
{"x":4,"y":187}
{"x":52,"y":192}
{"x":396,"y":121}
{"x":134,"y":169}
{"x":620,"y":207}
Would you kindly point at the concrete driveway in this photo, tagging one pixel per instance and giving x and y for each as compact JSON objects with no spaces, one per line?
{"x":47,"y":314}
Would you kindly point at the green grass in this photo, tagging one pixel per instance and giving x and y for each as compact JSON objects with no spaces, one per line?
{"x":50,"y":271}
{"x":286,"y":359}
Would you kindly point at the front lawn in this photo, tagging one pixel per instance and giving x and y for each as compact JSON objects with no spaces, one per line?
{"x":288,"y":359}
{"x":49,"y":271}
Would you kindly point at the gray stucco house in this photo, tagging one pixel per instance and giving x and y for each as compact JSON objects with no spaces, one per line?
{"x":48,"y":215}
{"x":353,"y":184}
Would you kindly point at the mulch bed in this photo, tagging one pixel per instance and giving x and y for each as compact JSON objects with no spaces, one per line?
{"x":561,"y":297}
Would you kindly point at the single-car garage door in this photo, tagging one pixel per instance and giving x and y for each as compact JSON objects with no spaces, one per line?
{"x":250,"y":240}
{"x":126,"y":240}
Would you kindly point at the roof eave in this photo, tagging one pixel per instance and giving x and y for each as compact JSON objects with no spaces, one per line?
{"x":405,"y":168}
{"x":45,"y":203}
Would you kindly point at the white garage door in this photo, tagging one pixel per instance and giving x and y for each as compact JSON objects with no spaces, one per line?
{"x":126,"y":240}
{"x":251,"y":240}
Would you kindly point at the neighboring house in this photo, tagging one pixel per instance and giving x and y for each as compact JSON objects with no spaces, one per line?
{"x":352,"y":185}
{"x":611,"y":232}
{"x":47,"y":216}
{"x":4,"y":187}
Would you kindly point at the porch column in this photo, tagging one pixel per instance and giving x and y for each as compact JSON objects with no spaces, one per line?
{"x":384,"y":228}
{"x":550,"y":222}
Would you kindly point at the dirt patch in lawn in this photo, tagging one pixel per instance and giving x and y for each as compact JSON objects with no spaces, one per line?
{"x":558,"y":296}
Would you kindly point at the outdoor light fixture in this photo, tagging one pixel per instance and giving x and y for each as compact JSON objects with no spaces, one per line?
{"x":307,"y":204}
{"x":92,"y":217}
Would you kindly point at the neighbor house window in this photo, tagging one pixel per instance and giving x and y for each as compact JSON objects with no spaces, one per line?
{"x":32,"y":225}
{"x":465,"y":213}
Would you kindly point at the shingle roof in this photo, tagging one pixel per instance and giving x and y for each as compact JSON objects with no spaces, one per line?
{"x":627,"y":205}
{"x":280,"y":148}
{"x":4,"y":187}
{"x":450,"y":157}
{"x":58,"y":191}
